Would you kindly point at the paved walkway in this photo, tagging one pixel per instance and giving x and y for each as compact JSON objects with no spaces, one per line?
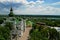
{"x":26,"y":34}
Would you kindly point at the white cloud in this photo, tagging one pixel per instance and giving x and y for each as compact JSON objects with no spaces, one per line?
{"x":23,"y":1}
{"x":40,"y":10}
{"x":34,"y":4}
{"x":39,"y":2}
{"x":31,"y":8}
{"x":57,"y":3}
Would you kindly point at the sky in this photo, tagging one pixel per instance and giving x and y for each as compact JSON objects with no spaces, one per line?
{"x":30,"y":7}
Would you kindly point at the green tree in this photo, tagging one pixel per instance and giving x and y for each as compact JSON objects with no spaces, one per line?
{"x":1,"y":20}
{"x":4,"y":33}
{"x":9,"y":25}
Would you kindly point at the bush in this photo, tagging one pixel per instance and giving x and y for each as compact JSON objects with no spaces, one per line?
{"x":41,"y":33}
{"x":9,"y":25}
{"x":4,"y":33}
{"x":1,"y":21}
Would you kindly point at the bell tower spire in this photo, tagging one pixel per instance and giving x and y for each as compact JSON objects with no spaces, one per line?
{"x":11,"y":9}
{"x":11,"y":14}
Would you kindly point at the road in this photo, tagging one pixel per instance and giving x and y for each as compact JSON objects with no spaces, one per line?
{"x":26,"y":34}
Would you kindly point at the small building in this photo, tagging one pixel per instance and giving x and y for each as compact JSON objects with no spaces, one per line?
{"x":40,"y":23}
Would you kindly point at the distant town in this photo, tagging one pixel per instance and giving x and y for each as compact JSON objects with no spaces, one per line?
{"x":29,"y":27}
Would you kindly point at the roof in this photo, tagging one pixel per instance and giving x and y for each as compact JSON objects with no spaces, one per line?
{"x":40,"y":23}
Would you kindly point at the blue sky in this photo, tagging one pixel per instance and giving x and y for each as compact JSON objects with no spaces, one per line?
{"x":51,"y":1}
{"x":30,"y":7}
{"x":31,"y":0}
{"x":47,"y":1}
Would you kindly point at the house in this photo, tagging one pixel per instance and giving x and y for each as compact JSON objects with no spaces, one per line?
{"x":41,"y":23}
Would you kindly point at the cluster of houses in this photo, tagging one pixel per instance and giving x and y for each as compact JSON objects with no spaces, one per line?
{"x":18,"y":26}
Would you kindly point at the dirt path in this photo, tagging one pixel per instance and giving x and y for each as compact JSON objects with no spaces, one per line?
{"x":26,"y":34}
